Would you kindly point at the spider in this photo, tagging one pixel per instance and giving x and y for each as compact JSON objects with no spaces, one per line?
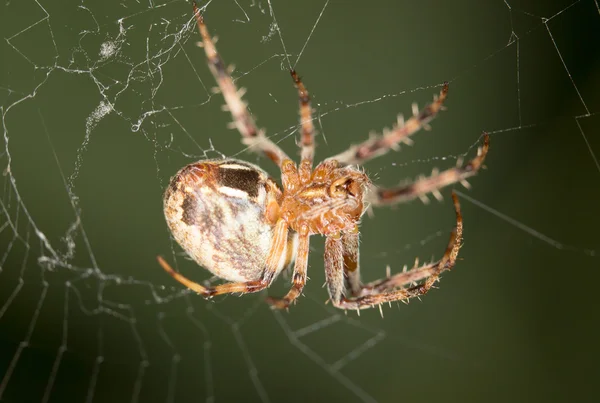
{"x":235,"y":220}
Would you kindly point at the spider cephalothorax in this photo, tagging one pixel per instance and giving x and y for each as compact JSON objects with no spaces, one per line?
{"x":328,"y":201}
{"x":234,"y":220}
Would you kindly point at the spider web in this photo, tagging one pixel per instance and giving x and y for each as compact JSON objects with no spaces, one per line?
{"x":102,"y":101}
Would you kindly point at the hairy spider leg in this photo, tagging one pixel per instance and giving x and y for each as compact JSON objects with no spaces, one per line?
{"x":298,"y":277}
{"x":252,"y":136}
{"x":421,"y":187}
{"x":307,"y":137}
{"x":385,"y":290}
{"x":376,"y":146}
{"x":303,"y":174}
{"x":352,"y":273}
{"x":351,"y":262}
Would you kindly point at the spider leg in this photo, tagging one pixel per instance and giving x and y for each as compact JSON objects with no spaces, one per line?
{"x":342,"y":269}
{"x":382,"y":291}
{"x":307,"y":138}
{"x":417,"y":273}
{"x":352,"y":271}
{"x":275,"y":263}
{"x":299,"y":276}
{"x":252,"y":136}
{"x":421,"y":187}
{"x":351,"y":266}
{"x":376,"y":146}
{"x":334,"y":268}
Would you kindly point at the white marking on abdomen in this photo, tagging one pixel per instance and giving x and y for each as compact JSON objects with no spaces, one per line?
{"x":233,"y":192}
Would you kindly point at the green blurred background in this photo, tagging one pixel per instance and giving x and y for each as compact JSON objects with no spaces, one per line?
{"x":86,"y":313}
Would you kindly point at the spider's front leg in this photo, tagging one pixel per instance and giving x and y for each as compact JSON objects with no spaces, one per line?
{"x":275,"y":263}
{"x":389,"y":289}
{"x":421,"y":187}
{"x":376,"y":146}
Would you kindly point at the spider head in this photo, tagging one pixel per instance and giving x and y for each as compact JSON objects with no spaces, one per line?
{"x":346,"y":188}
{"x":329,"y":202}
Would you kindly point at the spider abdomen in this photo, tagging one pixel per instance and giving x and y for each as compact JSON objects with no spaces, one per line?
{"x":217,"y":210}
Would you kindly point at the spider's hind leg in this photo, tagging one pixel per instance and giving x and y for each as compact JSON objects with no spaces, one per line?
{"x":273,"y":266}
{"x":243,"y":121}
{"x":307,"y":138}
{"x":227,"y":288}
